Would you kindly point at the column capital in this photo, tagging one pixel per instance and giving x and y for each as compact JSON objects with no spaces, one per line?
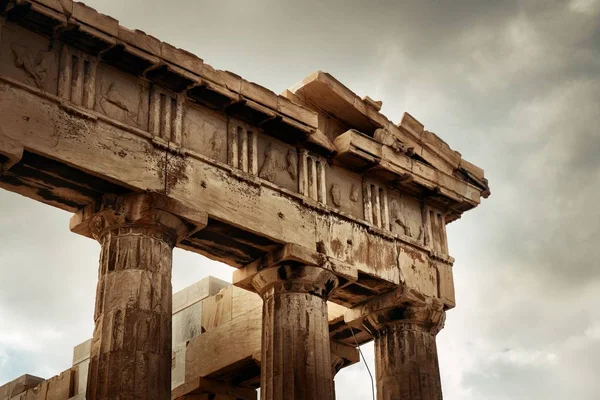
{"x":147,"y":209}
{"x":402,"y":308}
{"x":292,"y":256}
{"x":429,"y":317}
{"x":293,"y":278}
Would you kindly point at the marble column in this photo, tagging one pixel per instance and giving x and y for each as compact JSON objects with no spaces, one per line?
{"x":131,"y":346}
{"x":406,"y":360}
{"x":296,"y":355}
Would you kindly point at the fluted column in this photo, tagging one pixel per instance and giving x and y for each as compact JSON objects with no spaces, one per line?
{"x":296,"y":358}
{"x":131,"y":346}
{"x":406,"y":361}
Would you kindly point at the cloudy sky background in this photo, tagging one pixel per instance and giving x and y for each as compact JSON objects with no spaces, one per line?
{"x":513,"y":85}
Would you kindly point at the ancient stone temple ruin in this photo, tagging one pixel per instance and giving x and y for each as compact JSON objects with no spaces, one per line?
{"x":333,"y":216}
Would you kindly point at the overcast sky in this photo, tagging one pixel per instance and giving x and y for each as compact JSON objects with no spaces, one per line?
{"x":513,"y":85}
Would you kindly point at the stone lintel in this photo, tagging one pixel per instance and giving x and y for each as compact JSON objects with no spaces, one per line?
{"x":344,"y":354}
{"x":292,"y":254}
{"x":203,"y":386}
{"x":139,"y":207}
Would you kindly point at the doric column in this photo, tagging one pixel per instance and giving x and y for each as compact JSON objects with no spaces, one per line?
{"x":296,"y":358}
{"x":131,"y":346}
{"x":406,"y":361}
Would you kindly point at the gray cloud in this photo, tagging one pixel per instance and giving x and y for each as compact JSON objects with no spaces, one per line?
{"x":513,"y":85}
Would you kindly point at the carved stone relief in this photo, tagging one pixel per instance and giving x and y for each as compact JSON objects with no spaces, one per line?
{"x":292,"y":164}
{"x":270,"y":164}
{"x":336,"y":195}
{"x":398,"y":218}
{"x":344,"y":190}
{"x":122,"y":97}
{"x":30,"y":58}
{"x":354,"y":193}
{"x":437,"y":226}
{"x":406,"y":216}
{"x":277,"y":163}
{"x":36,"y":66}
{"x":215,"y":144}
{"x":205,"y":132}
{"x":111,"y":99}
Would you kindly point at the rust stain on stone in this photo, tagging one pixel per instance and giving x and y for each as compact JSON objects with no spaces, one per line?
{"x":176,"y":172}
{"x":414,"y":255}
{"x":336,"y":246}
{"x":162,"y":170}
{"x":361,"y":251}
{"x":172,"y":171}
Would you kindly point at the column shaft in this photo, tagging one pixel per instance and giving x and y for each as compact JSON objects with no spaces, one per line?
{"x":296,"y":354}
{"x":406,"y":364}
{"x":131,"y":348}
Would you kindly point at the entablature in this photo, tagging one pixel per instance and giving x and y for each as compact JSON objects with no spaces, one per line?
{"x":341,"y":110}
{"x":399,"y":170}
{"x":96,"y":108}
{"x":409,"y":157}
{"x":177,"y":70}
